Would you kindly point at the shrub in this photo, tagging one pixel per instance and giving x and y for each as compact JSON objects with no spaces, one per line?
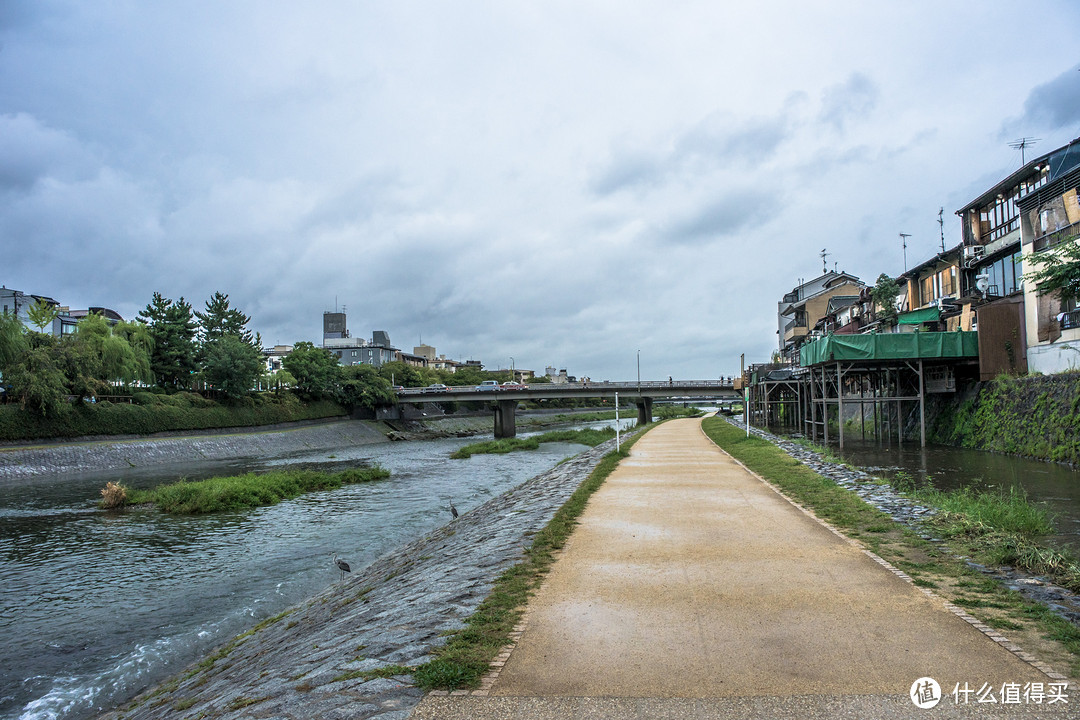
{"x":113,"y":495}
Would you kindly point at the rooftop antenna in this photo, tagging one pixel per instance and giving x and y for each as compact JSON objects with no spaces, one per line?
{"x":903,"y":241}
{"x":941,"y":225}
{"x":1022,"y":143}
{"x":824,"y":267}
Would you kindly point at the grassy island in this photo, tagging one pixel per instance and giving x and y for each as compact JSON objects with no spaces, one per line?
{"x":589,"y":436}
{"x":236,"y":492}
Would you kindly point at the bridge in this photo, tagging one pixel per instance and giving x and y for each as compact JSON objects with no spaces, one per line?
{"x":506,"y":399}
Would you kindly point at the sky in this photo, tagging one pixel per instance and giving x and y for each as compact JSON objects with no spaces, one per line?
{"x":585,"y":185}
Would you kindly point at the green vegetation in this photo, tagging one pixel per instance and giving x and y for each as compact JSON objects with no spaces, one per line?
{"x":152,"y":413}
{"x":884,"y":296}
{"x":387,"y":671}
{"x":466,"y":656}
{"x":590,"y":437}
{"x":1057,"y":271}
{"x":240,"y":492}
{"x":668,"y":412}
{"x":1036,"y":416}
{"x":994,"y":528}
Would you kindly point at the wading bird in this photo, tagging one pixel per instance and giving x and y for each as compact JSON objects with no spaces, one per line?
{"x":453,"y":510}
{"x":342,"y":566}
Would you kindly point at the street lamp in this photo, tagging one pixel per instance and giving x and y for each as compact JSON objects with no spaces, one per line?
{"x":639,"y":372}
{"x":513,"y":378}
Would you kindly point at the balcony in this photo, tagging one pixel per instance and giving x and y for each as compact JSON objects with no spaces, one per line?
{"x":1071,"y":320}
{"x":1059,"y":236}
{"x":795,"y":328}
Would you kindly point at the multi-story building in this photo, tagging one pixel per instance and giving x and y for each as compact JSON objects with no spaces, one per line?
{"x":66,"y":319}
{"x":356,"y":351}
{"x":931,"y":292}
{"x":1049,"y":222}
{"x":799,"y":311}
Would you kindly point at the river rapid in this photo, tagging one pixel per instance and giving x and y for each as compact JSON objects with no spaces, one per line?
{"x":95,"y":606}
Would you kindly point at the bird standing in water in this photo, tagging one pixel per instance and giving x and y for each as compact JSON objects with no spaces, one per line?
{"x":453,"y":510}
{"x":342,"y":566}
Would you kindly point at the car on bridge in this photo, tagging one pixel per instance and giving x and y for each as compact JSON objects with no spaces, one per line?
{"x":397,"y":388}
{"x":487,"y":385}
{"x":511,"y":385}
{"x":436,"y":388}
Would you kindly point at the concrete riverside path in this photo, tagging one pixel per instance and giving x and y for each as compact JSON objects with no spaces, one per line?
{"x":692,"y":589}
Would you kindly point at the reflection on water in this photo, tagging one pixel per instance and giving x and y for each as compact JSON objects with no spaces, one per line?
{"x":1055,"y":485}
{"x":96,"y":605}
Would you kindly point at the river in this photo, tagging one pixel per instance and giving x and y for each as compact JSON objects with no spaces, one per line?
{"x":95,"y":606}
{"x":1055,"y":486}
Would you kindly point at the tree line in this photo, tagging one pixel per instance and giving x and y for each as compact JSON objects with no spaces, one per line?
{"x":170,"y":347}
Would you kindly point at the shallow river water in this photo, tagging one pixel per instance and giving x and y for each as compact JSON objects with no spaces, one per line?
{"x":1054,"y":485}
{"x":97,"y":605}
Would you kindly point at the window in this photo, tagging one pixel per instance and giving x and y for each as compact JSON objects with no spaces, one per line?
{"x":354,"y":353}
{"x":948,"y":281}
{"x":927,"y":291}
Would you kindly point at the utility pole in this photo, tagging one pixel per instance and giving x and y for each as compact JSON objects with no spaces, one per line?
{"x":941,"y":226}
{"x":903,"y":240}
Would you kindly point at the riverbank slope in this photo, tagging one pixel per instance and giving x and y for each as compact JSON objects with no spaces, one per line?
{"x":61,"y":457}
{"x":346,"y":652}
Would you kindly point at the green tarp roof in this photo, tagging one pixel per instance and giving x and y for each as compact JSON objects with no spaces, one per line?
{"x":890,"y":346}
{"x":918,"y":317}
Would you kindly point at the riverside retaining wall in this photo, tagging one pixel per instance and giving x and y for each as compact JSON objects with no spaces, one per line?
{"x":57,"y":459}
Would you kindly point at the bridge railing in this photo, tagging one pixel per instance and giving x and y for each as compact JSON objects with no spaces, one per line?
{"x":721,"y":384}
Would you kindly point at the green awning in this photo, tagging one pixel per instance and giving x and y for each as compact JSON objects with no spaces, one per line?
{"x":890,"y":346}
{"x":918,"y":317}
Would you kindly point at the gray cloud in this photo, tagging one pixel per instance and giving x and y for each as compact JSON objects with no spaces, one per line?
{"x":854,"y":98}
{"x":1054,"y":104}
{"x":558,"y":185}
{"x":723,"y":217}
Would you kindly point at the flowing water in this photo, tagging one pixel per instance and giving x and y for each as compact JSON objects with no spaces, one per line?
{"x":95,"y":606}
{"x":1053,"y":485}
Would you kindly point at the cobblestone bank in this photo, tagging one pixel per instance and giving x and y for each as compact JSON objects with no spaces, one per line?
{"x":902,"y":509}
{"x":25,"y":462}
{"x":309,"y":662}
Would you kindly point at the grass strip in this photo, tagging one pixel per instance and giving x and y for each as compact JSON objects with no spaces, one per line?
{"x":589,"y":436}
{"x":241,"y":492}
{"x":468,"y":653}
{"x":966,"y":529}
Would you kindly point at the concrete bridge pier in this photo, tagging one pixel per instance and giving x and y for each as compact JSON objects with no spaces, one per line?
{"x":644,"y":410}
{"x":505,"y":426}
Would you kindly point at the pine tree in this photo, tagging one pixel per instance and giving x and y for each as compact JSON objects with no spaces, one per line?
{"x":172,"y":328}
{"x":220,"y":320}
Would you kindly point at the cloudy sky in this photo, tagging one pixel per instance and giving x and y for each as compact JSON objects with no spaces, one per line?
{"x":564,"y":183}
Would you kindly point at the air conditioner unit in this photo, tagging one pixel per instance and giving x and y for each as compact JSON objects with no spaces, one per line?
{"x":972,"y":254}
{"x":946,"y":303}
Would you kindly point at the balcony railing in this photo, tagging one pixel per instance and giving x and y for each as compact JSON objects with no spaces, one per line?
{"x":1059,"y":236}
{"x":1071,"y":320}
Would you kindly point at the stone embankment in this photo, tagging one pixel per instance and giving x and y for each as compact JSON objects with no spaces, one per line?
{"x":19,"y":461}
{"x":322,"y":659}
{"x":28,"y":461}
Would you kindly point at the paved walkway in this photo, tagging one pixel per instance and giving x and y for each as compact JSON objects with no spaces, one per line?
{"x":692,"y":589}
